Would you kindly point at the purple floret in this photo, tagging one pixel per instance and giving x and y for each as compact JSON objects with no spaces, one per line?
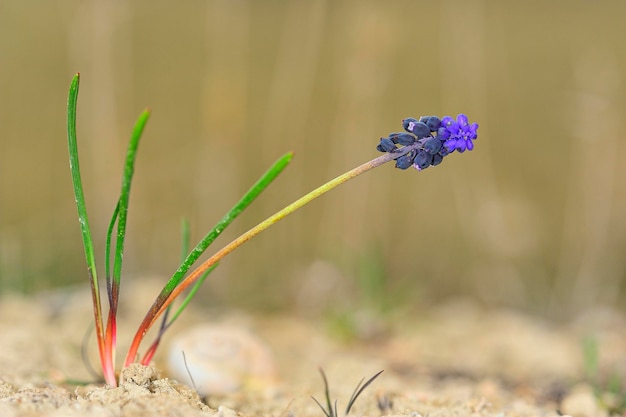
{"x":459,"y":134}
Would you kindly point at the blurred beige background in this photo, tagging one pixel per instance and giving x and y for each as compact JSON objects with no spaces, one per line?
{"x":532,"y":218}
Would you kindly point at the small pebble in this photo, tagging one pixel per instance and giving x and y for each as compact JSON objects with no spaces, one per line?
{"x":582,"y":402}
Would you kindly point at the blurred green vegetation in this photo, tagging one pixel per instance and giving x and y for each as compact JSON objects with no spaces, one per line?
{"x":532,"y":218}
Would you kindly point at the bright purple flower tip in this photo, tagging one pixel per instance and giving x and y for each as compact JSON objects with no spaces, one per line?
{"x":454,"y":128}
{"x":473,"y":129}
{"x":450,"y":145}
{"x":458,"y":133}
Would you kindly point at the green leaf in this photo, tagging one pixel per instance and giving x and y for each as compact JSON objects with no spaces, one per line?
{"x":189,"y":260}
{"x":79,"y":197}
{"x":241,"y":205}
{"x":77,"y":181}
{"x":121,"y":211}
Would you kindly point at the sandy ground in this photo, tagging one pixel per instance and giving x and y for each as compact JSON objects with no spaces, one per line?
{"x":455,"y":360}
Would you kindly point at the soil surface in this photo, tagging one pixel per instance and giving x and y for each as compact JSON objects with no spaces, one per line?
{"x":454,"y":360}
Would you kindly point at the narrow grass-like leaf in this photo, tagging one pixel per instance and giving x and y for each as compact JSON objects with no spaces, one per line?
{"x":166,"y":324}
{"x":185,"y":233}
{"x":189,"y":296}
{"x":76,"y":178}
{"x":188,"y":260}
{"x":241,"y":205}
{"x":107,"y":247}
{"x":331,"y":411}
{"x":79,"y":196}
{"x":121,"y":211}
{"x":359,"y":389}
{"x":265,"y":180}
{"x":118,"y":222}
{"x":185,"y":239}
{"x":321,"y":407}
{"x":193,"y":383}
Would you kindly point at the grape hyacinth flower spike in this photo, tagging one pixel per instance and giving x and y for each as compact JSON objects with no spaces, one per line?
{"x":429,"y":140}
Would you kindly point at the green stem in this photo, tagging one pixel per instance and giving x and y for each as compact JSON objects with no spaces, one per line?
{"x":165,"y":299}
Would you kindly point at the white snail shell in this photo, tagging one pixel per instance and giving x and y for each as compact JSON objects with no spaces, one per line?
{"x":221,"y":359}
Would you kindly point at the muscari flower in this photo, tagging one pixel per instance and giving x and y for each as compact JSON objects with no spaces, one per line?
{"x":459,"y":133}
{"x":433,"y":139}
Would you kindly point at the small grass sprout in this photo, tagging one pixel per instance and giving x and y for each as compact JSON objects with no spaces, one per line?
{"x":610,"y":391}
{"x":425,"y":143}
{"x":331,"y":407}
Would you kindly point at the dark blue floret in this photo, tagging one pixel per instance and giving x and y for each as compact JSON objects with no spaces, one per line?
{"x":404,"y":139}
{"x":423,"y":160}
{"x":433,"y":122}
{"x":432,"y":145}
{"x":437,"y":158}
{"x":386,"y":145}
{"x":419,"y":129}
{"x":430,"y":140}
{"x":443,"y":151}
{"x":407,"y":123}
{"x":405,"y":161}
